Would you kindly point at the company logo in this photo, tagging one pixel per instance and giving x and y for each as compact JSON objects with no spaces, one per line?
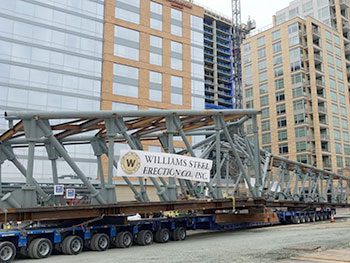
{"x":130,"y":163}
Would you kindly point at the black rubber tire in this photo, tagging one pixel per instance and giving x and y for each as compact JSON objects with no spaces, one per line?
{"x":40,"y":248}
{"x":7,"y":252}
{"x":302,"y":219}
{"x":144,"y":238}
{"x":179,"y":234}
{"x":296,"y":220}
{"x":72,"y":245}
{"x":100,"y":242}
{"x":313,"y":218}
{"x":162,"y":235}
{"x":317,"y":218}
{"x":308,"y":219}
{"x":124,"y":239}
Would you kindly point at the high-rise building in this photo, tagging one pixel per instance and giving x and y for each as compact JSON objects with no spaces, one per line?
{"x":217,"y":60}
{"x":98,"y":54}
{"x":297,"y":74}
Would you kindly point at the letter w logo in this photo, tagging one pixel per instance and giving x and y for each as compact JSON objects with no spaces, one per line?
{"x":130,"y":162}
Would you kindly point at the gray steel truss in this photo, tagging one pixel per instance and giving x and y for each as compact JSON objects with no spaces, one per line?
{"x":240,"y":167}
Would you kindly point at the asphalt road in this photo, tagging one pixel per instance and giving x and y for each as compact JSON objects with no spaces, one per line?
{"x":269,"y":244}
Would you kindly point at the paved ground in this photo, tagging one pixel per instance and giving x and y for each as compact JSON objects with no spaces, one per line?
{"x":271,"y":244}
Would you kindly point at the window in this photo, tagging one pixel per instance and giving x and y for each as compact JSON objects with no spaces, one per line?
{"x":298,"y":105}
{"x":343,"y":111}
{"x":334,"y":96}
{"x":281,"y":122}
{"x":329,"y":47}
{"x":304,"y":158}
{"x":263,"y":88}
{"x":276,"y":35}
{"x":293,"y":28}
{"x":156,"y":16}
{"x":278,"y":71}
{"x":300,"y":118}
{"x":261,"y":41}
{"x":332,"y":83}
{"x":339,"y":161}
{"x":347,"y":162}
{"x":308,"y":6}
{"x":266,"y":138}
{"x":301,"y":132}
{"x":128,"y":10}
{"x":155,"y":57}
{"x":264,"y":100}
{"x":330,"y":59}
{"x":277,"y":59}
{"x":297,"y":78}
{"x":176,"y":90}
{"x":277,"y":47}
{"x":265,"y":125}
{"x":299,"y":92}
{"x":344,"y":124}
{"x":337,"y":135}
{"x":294,"y":40}
{"x":323,"y":12}
{"x":338,"y":147}
{"x":282,"y":135}
{"x":267,"y":148}
{"x":249,"y":104}
{"x":265,"y":113}
{"x":346,"y":136}
{"x":176,"y":55}
{"x":346,"y":149}
{"x":176,"y":22}
{"x":328,"y":35}
{"x":338,"y":62}
{"x":262,"y":64}
{"x":293,"y":12}
{"x":336,"y":40}
{"x":261,"y":53}
{"x":335,"y":109}
{"x":341,"y":87}
{"x":283,"y":148}
{"x":337,"y":51}
{"x":331,"y":71}
{"x":125,"y":81}
{"x":249,"y":93}
{"x":155,"y":86}
{"x":126,"y":43}
{"x":336,"y":122}
{"x":281,"y":109}
{"x":279,"y":84}
{"x":280,"y":96}
{"x":341,"y":99}
{"x":302,"y":146}
{"x":262,"y":76}
{"x":247,"y":47}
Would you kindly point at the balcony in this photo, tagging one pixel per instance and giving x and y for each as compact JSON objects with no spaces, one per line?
{"x":207,"y":59}
{"x":224,"y":30}
{"x":227,"y":102}
{"x":223,"y":44}
{"x":209,"y":90}
{"x":221,"y":36}
{"x":322,"y":110}
{"x":318,"y":59}
{"x":225,"y":94}
{"x":320,"y":83}
{"x":209,"y":82}
{"x":224,"y":51}
{"x":316,"y":33}
{"x":224,"y":58}
{"x":224,"y":65}
{"x":324,"y":137}
{"x":346,"y":27}
{"x":224,"y":72}
{"x":207,"y":24}
{"x":210,"y":98}
{"x":347,"y":49}
{"x":225,"y":87}
{"x":343,"y":4}
{"x":327,"y":165}
{"x":208,"y":38}
{"x":206,"y":30}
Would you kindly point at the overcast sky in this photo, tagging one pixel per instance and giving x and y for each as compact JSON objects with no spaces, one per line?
{"x":259,"y":10}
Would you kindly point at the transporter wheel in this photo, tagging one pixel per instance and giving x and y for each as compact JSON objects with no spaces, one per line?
{"x":123,"y":239}
{"x":144,"y":238}
{"x":296,"y":220}
{"x":7,"y":251}
{"x":317,"y":218}
{"x":313,"y":218}
{"x":162,"y":235}
{"x":179,"y":234}
{"x":307,"y":218}
{"x":302,"y":219}
{"x":40,"y":248}
{"x":100,"y":242}
{"x":72,"y":245}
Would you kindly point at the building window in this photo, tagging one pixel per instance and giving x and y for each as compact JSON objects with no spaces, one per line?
{"x":261,"y":53}
{"x":278,"y":59}
{"x":283,"y":148}
{"x":126,"y":43}
{"x":176,"y":22}
{"x":264,"y":88}
{"x":334,"y":96}
{"x":277,"y":47}
{"x":265,"y":125}
{"x":346,"y":136}
{"x":262,"y":76}
{"x":298,"y":105}
{"x":281,"y":109}
{"x":280,"y":96}
{"x":278,"y":71}
{"x":249,"y":104}
{"x":249,"y":93}
{"x":265,"y":113}
{"x":261,"y":41}
{"x":176,"y":55}
{"x":297,"y":78}
{"x":347,"y":162}
{"x":300,"y":118}
{"x":301,"y":132}
{"x":155,"y":86}
{"x":262,"y":64}
{"x":336,"y":40}
{"x":304,"y":158}
{"x":299,"y":92}
{"x":339,"y":161}
{"x":276,"y":35}
{"x":128,"y":10}
{"x":340,"y":87}
{"x":267,"y":148}
{"x":346,"y":149}
{"x":344,"y":124}
{"x":176,"y":90}
{"x":264,"y":100}
{"x":125,"y":81}
{"x":282,"y":135}
{"x":343,"y":111}
{"x":281,"y":122}
{"x":302,"y":146}
{"x":156,"y":16}
{"x":336,"y":122}
{"x":279,"y":84}
{"x":335,"y":109}
{"x":338,"y":147}
{"x":337,"y":135}
{"x":155,"y":56}
{"x":341,"y":99}
{"x":118,"y":106}
{"x":266,"y":138}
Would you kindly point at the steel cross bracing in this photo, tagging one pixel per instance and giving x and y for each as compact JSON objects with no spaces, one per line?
{"x":241,"y":168}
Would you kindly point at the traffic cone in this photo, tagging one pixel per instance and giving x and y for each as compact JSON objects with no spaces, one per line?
{"x":332,"y":218}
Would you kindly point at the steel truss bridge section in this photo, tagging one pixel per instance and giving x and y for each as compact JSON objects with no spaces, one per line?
{"x":240,"y":167}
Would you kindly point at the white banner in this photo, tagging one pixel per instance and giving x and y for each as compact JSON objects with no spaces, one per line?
{"x":153,"y":164}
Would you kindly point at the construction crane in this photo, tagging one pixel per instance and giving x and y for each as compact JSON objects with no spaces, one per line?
{"x":238,"y":34}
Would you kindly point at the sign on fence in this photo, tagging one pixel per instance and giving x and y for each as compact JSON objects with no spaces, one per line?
{"x":153,"y":164}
